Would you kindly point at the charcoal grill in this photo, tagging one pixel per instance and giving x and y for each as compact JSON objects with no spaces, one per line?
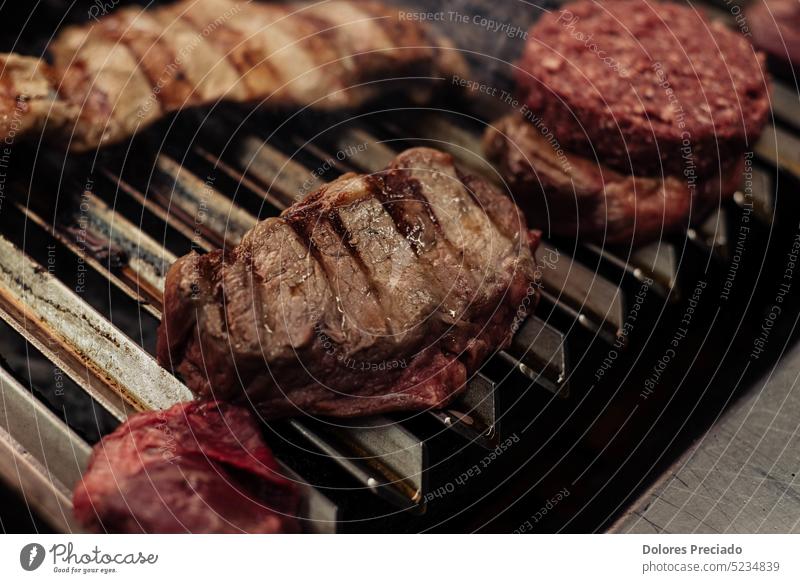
{"x":559,"y":432}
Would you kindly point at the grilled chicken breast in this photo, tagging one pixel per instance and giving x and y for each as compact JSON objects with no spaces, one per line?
{"x":112,"y":77}
{"x":377,"y":293}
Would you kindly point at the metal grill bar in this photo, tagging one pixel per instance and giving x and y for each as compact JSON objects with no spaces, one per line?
{"x":91,"y":350}
{"x":786,"y":104}
{"x":197,"y":203}
{"x":39,"y":455}
{"x":68,"y":242}
{"x":549,"y":358}
{"x":478,"y":413}
{"x":657,"y":262}
{"x":761,"y":196}
{"x":47,"y":498}
{"x":286,"y":180}
{"x":595,"y":300}
{"x":778,"y":148}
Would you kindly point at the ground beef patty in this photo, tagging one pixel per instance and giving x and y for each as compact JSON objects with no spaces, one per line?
{"x":572,"y":196}
{"x":775,"y":28}
{"x":632,"y":82}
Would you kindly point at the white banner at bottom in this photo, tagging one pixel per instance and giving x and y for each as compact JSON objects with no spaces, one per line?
{"x":399,"y":558}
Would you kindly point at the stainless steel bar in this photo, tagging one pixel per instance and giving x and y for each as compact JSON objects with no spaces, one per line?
{"x":368,"y":471}
{"x":759,"y":197}
{"x":597,"y":302}
{"x":318,"y":513}
{"x":713,"y":233}
{"x":657,"y":262}
{"x":156,"y":208}
{"x":786,"y":104}
{"x":660,"y":260}
{"x":91,"y":350}
{"x":50,"y":500}
{"x":435,"y":131}
{"x":780,"y":148}
{"x":362,"y":148}
{"x":401,"y":452}
{"x":41,"y":456}
{"x":276,"y":202}
{"x":477,"y":414}
{"x":286,"y":180}
{"x":63,"y":454}
{"x":63,"y":236}
{"x":544,"y":347}
{"x":216,"y":215}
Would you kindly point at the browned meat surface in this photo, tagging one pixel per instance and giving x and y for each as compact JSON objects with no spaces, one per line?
{"x":650,"y":88}
{"x":377,"y":293}
{"x":573,"y":196}
{"x":775,"y":29}
{"x":197,"y":467}
{"x":111,"y":78}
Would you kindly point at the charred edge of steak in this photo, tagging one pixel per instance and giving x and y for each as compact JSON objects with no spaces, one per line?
{"x":442,"y":343}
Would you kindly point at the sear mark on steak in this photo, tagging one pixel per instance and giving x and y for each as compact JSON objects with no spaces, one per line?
{"x":199,"y":467}
{"x":376,"y":293}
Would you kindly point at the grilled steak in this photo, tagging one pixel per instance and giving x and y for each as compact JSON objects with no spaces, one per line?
{"x":125,"y":71}
{"x":573,"y":196}
{"x":197,"y":467}
{"x":647,"y":87}
{"x":377,"y":293}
